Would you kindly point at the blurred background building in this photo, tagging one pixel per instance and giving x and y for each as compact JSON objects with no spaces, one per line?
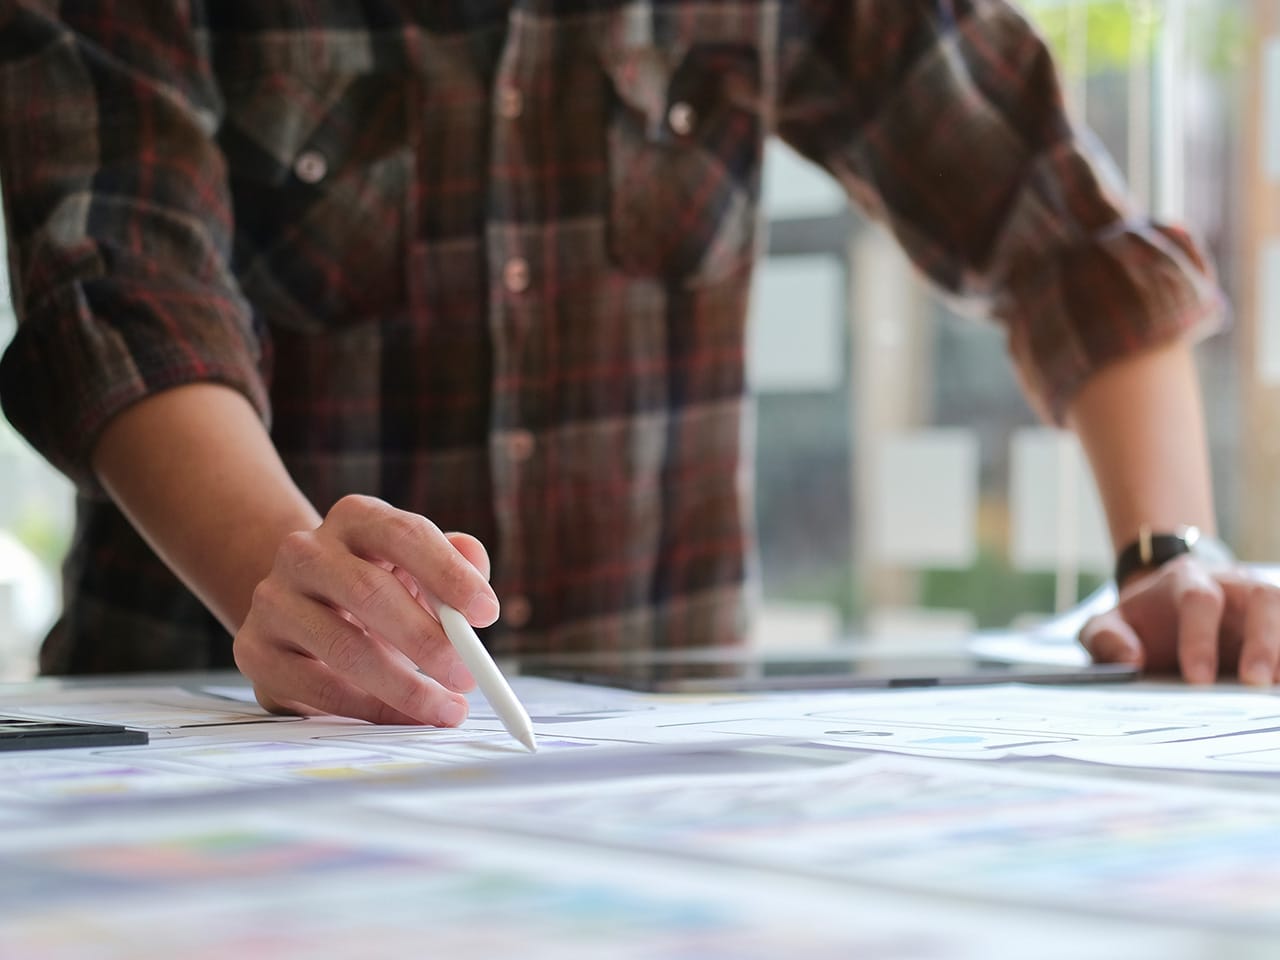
{"x":905,"y":493}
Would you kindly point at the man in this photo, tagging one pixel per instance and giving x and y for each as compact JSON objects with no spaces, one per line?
{"x":295,"y":276}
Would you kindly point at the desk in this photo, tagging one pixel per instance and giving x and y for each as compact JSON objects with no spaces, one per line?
{"x":249,"y":836}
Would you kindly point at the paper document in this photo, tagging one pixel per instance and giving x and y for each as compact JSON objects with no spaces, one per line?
{"x":161,"y":710}
{"x":213,"y":736}
{"x":969,"y":722}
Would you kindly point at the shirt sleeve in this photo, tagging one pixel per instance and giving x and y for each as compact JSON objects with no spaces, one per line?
{"x":119,"y":222}
{"x":945,"y":120}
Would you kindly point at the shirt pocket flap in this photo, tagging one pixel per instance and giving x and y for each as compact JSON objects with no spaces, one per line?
{"x":685,"y":142}
{"x":321,"y":168}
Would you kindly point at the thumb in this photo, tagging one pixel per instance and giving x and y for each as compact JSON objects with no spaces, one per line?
{"x":472,"y":549}
{"x":1109,"y":638}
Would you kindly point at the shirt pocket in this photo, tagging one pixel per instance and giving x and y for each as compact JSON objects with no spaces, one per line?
{"x":684,"y":145}
{"x":321,"y":168}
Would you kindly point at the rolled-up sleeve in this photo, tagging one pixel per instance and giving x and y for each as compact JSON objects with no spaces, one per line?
{"x":118,"y":219}
{"x":945,"y":120}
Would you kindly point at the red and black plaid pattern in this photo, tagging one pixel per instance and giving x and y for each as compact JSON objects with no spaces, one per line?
{"x":490,"y":262}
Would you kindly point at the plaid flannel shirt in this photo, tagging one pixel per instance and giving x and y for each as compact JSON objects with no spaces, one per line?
{"x":490,"y":262}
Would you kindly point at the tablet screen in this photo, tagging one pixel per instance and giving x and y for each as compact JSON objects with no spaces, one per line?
{"x":725,"y":670}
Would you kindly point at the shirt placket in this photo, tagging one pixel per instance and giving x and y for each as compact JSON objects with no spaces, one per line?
{"x":514,"y":280}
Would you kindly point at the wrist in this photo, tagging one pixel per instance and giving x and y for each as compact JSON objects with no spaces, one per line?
{"x":213,"y":500}
{"x":1153,"y":549}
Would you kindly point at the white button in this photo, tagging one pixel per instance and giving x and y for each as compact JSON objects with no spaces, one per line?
{"x":515,"y":275}
{"x":310,"y":167}
{"x":520,"y":444}
{"x":510,"y":103}
{"x":516,"y":612}
{"x":682,"y":118}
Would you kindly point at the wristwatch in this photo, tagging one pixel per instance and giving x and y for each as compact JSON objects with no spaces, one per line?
{"x":1152,"y":550}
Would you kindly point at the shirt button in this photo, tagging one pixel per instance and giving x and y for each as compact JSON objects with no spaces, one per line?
{"x":517,"y":612}
{"x":510,"y":103}
{"x":520,"y":445}
{"x":310,"y":167}
{"x":515,"y":275}
{"x":681,"y":118}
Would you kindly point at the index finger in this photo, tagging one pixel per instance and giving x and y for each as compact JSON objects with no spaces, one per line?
{"x":374,"y":529}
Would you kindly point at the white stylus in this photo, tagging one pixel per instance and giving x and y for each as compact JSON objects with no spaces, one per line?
{"x":488,"y":677}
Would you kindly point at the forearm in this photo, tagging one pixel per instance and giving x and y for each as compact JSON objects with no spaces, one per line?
{"x":1141,"y":423}
{"x":196,"y":473}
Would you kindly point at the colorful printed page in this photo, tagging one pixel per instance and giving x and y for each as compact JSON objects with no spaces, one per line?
{"x":1177,"y":855}
{"x":335,"y":879}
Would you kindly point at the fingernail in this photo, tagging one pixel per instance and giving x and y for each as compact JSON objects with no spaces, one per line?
{"x":482,"y":610}
{"x":453,"y":713}
{"x":1256,"y":674}
{"x":460,"y":678}
{"x":1200,"y":672}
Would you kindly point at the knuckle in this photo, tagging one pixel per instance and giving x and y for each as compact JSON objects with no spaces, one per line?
{"x":328,"y":694}
{"x":348,"y":653}
{"x":379,"y":712}
{"x":372,"y":588}
{"x":1202,"y":596}
{"x":1265,"y":596}
{"x":411,"y":586}
{"x":408,"y":529}
{"x":244,"y":653}
{"x":267,"y":597}
{"x":432,"y":652}
{"x":416,"y":700}
{"x":352,"y":505}
{"x":418,"y":647}
{"x":297,"y":549}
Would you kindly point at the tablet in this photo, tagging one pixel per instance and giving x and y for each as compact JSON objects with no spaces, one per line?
{"x":729,"y":670}
{"x":25,"y":733}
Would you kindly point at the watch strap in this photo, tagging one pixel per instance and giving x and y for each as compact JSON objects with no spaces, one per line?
{"x":1151,"y":550}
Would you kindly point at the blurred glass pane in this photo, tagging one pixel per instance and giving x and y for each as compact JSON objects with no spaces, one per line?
{"x":35,"y":528}
{"x":1054,"y":505}
{"x":797,"y":309}
{"x":1268,"y":314}
{"x":1271,"y":109}
{"x":927,"y":497}
{"x":794,"y":187}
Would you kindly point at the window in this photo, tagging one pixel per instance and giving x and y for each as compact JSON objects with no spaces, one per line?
{"x":905,"y":490}
{"x":35,"y":523}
